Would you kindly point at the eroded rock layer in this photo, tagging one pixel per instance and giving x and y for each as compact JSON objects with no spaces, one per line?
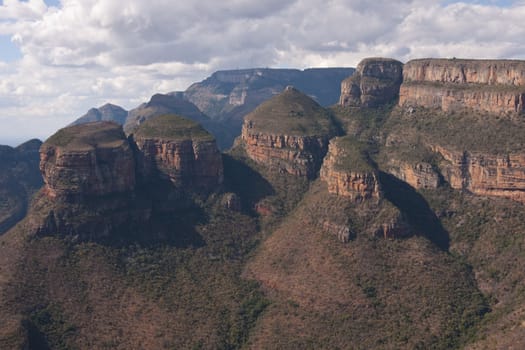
{"x":484,"y":174}
{"x":375,"y":82}
{"x":289,"y":134}
{"x":495,"y":86}
{"x":179,"y":150}
{"x":419,"y":175}
{"x":94,"y":159}
{"x":347,"y":173}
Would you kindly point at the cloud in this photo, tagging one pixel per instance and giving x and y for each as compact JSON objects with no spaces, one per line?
{"x":86,"y":53}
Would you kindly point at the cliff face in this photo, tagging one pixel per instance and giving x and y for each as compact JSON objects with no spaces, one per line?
{"x":461,"y":71}
{"x":345,"y":175}
{"x":296,"y":155}
{"x":96,"y":179}
{"x":484,"y":85}
{"x":288,"y":133}
{"x":485,"y":174}
{"x":419,"y":175}
{"x":375,"y":82}
{"x":91,"y":160}
{"x":89,"y":176}
{"x":185,"y":153}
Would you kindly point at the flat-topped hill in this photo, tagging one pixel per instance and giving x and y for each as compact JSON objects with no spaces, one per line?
{"x":87,"y":136}
{"x":504,"y":72}
{"x":290,"y":113}
{"x":172,"y":127}
{"x":180,"y":150}
{"x":87,"y":159}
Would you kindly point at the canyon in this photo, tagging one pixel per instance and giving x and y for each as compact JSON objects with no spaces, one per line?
{"x":370,"y":222}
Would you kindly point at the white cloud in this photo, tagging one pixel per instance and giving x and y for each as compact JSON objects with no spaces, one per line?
{"x":89,"y":52}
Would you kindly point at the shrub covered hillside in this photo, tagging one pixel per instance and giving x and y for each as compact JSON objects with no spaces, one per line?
{"x":395,"y":220}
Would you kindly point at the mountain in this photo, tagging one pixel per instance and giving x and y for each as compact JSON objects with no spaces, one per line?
{"x":391,"y":220}
{"x":107,"y":112}
{"x":160,"y":104}
{"x":227,"y":96}
{"x":19,"y":179}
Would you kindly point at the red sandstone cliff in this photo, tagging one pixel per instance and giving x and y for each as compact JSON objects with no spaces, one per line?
{"x":94,"y":159}
{"x":495,"y":86}
{"x":179,"y":150}
{"x":375,"y":82}
{"x":348,"y":176}
{"x":485,"y":174}
{"x":288,"y":134}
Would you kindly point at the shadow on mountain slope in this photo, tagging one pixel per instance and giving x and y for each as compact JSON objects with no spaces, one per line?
{"x":415,"y":207}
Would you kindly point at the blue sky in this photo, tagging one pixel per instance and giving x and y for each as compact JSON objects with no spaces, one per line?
{"x":58,"y":59}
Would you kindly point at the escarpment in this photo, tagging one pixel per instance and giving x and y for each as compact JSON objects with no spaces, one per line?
{"x":91,"y":160}
{"x":495,"y":86}
{"x":89,"y":176}
{"x":347,"y":173}
{"x":420,"y":175}
{"x":180,"y":150}
{"x":375,"y":82}
{"x":485,"y":174}
{"x":98,"y":182}
{"x":288,"y":134}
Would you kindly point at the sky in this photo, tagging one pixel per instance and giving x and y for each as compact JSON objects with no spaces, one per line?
{"x":58,"y":58}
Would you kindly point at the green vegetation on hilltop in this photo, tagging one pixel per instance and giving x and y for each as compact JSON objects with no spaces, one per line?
{"x":96,"y":134}
{"x":173,"y":127}
{"x":461,"y":130}
{"x":352,"y":154}
{"x":291,"y":113}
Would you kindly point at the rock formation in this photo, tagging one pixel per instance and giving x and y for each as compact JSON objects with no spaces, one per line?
{"x":89,"y":176}
{"x":485,"y":174}
{"x":93,"y":159}
{"x":288,"y":134}
{"x":495,"y":86}
{"x":419,"y":175}
{"x":180,"y":150}
{"x":375,"y":82}
{"x":227,"y":96}
{"x":347,"y":173}
{"x":107,"y":112}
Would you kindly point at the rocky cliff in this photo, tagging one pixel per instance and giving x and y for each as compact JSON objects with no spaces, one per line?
{"x":420,"y":175}
{"x":94,"y":159}
{"x":107,"y":112}
{"x":485,"y":174}
{"x":347,"y":173}
{"x":89,"y":176}
{"x":495,"y":86}
{"x":288,"y":133}
{"x":375,"y":82}
{"x":180,"y":150}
